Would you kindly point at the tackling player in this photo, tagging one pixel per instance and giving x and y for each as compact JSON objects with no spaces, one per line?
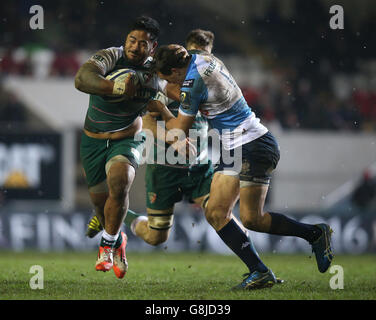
{"x":166,"y":184}
{"x":109,"y":152}
{"x":213,"y":91}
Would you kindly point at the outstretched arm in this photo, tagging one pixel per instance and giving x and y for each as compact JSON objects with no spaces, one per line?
{"x":182,"y":122}
{"x":181,"y":144}
{"x":150,"y":122}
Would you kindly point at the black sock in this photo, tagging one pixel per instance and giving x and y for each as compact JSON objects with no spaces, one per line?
{"x":119,"y":241}
{"x":284,"y":226}
{"x":234,"y":237}
{"x":113,"y":244}
{"x":107,"y":243}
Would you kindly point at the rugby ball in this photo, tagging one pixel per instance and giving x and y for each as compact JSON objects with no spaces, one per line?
{"x":118,"y":75}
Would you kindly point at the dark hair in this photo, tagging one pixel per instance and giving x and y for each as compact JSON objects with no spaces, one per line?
{"x":166,"y":58}
{"x":200,"y":37}
{"x":147,"y":24}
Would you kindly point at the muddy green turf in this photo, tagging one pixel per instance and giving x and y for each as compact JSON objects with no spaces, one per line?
{"x":180,"y":276}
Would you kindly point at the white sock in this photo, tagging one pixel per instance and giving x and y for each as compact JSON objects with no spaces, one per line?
{"x":110,"y":237}
{"x":135,"y":221}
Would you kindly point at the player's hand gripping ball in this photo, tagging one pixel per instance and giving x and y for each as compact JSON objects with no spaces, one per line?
{"x":126,"y":83}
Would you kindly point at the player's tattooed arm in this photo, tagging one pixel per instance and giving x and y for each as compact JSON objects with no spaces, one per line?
{"x":89,"y":79}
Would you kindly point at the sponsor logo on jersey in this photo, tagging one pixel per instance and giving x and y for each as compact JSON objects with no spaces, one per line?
{"x":188,"y":83}
{"x":183,"y":96}
{"x":246,"y":166}
{"x":245,"y":244}
{"x":185,"y":100}
{"x":152,"y":197}
{"x":210,"y":68}
{"x":98,"y":57}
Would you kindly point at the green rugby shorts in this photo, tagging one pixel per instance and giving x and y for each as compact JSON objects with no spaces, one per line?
{"x":166,"y":186}
{"x":95,"y":153}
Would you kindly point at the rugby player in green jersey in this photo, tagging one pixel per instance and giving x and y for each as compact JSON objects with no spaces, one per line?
{"x":174,"y":180}
{"x":109,"y":151}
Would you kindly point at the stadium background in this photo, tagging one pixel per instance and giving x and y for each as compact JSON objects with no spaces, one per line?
{"x":314,"y":87}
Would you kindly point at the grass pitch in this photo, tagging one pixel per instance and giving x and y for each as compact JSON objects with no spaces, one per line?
{"x":179,"y":276}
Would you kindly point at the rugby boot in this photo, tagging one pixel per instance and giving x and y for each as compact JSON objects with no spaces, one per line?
{"x":93,"y":227}
{"x":120,"y":260}
{"x":279,"y":280}
{"x":257,"y":280}
{"x":322,"y":248}
{"x":105,"y":259}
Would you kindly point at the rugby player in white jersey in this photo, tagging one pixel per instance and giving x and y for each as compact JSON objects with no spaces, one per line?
{"x":208,"y":87}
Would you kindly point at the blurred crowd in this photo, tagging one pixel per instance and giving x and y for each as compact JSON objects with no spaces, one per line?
{"x":295,"y":103}
{"x":364,"y":194}
{"x":39,"y":62}
{"x":327,"y":78}
{"x":321,"y":78}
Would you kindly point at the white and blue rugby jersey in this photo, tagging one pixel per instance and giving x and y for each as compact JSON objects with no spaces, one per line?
{"x":209,"y":88}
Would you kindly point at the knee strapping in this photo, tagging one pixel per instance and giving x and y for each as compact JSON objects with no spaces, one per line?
{"x":160,"y":221}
